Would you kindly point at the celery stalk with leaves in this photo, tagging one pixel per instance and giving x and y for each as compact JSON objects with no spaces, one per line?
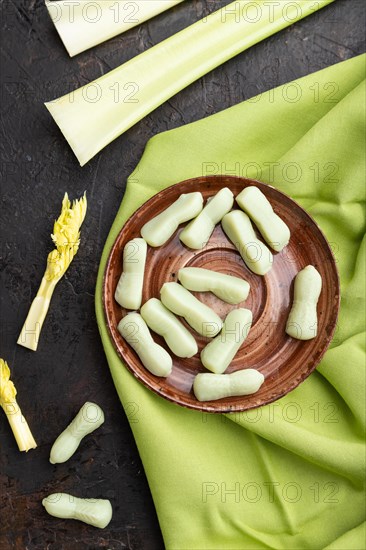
{"x":66,"y":237}
{"x":8,"y":402}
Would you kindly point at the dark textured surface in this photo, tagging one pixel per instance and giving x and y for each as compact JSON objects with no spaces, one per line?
{"x":37,"y":166}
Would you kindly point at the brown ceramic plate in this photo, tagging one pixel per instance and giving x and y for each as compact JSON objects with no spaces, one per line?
{"x":284,"y":361}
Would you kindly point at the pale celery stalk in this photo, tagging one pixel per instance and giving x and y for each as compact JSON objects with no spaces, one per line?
{"x":94,"y":115}
{"x":8,"y":402}
{"x":82,"y":24}
{"x":66,"y":237}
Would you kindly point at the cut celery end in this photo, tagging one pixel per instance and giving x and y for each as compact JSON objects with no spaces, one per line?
{"x":82,"y":24}
{"x":20,"y":429}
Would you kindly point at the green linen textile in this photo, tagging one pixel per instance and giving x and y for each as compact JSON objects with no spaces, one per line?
{"x":289,"y":475}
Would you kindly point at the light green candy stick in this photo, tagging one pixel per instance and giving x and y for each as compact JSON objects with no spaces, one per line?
{"x":96,"y":512}
{"x":219,"y":353}
{"x":199,"y":316}
{"x":255,"y":254}
{"x":136,"y":333}
{"x":273,"y":229}
{"x":302,"y":323}
{"x":164,"y":322}
{"x":197,"y":233}
{"x":226,"y":287}
{"x":88,"y":419}
{"x":209,"y":387}
{"x":157,"y":231}
{"x":129,"y":289}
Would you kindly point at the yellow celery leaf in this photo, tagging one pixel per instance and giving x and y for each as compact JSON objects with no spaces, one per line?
{"x":7,"y":388}
{"x":18,"y":423}
{"x":66,"y":237}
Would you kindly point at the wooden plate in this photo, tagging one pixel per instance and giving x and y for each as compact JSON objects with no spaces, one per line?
{"x":284,"y":361}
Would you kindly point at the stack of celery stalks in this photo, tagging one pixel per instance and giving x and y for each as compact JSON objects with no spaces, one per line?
{"x":97,"y":113}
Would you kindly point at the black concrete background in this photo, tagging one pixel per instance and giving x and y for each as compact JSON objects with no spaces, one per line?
{"x":37,"y":166}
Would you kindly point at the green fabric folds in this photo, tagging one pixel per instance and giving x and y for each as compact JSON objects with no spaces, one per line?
{"x":289,"y":475}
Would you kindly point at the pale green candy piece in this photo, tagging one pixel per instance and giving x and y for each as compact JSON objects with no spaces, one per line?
{"x":136,"y":333}
{"x":226,"y":287}
{"x":273,"y":229}
{"x":255,"y":254}
{"x":219,"y":353}
{"x":96,"y":512}
{"x":164,"y":322}
{"x":199,"y":316}
{"x":198,"y":232}
{"x":157,"y":231}
{"x":209,"y":387}
{"x":302,"y":322}
{"x":129,"y":289}
{"x":88,"y":419}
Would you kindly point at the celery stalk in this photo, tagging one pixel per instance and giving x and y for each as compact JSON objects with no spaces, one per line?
{"x":66,"y":237}
{"x":94,"y":115}
{"x":82,"y":24}
{"x":18,"y":423}
{"x":29,"y":336}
